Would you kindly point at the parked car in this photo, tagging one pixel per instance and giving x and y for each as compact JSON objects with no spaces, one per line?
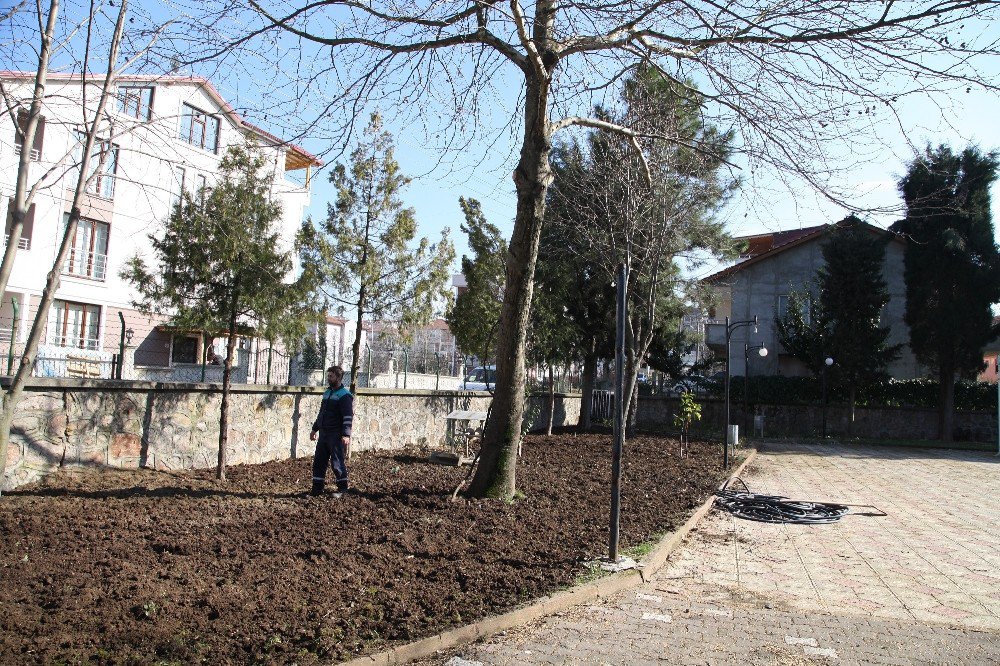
{"x":699,"y":383}
{"x":482,"y":378}
{"x":693,"y":384}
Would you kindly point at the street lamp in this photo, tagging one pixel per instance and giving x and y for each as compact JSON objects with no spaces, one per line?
{"x":730,"y":327}
{"x":762,"y":352}
{"x":827,"y":362}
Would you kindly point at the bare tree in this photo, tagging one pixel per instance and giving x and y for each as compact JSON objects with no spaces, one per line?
{"x":785,"y":77}
{"x":88,"y":167}
{"x":612,"y":205}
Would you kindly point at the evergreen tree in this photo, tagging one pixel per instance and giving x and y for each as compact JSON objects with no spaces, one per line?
{"x":218,"y":266}
{"x":365,"y":252}
{"x":951,"y":264}
{"x":473,"y":319}
{"x":804,"y":330}
{"x":852,"y":293}
{"x":611,"y":206}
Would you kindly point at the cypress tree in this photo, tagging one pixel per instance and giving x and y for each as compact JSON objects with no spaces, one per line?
{"x":852,"y":294}
{"x":951,"y":264}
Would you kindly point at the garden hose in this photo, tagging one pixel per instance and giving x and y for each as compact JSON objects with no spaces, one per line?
{"x":775,"y":508}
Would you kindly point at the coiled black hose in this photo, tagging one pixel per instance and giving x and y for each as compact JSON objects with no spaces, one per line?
{"x":775,"y":508}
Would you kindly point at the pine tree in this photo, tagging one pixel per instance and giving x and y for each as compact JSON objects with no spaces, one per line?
{"x":473,"y":319}
{"x":218,"y":266}
{"x":804,"y":330}
{"x":951,"y":264}
{"x":852,"y":293}
{"x":364,"y":251}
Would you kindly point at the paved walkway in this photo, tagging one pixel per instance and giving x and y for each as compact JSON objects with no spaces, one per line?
{"x":920,"y":585}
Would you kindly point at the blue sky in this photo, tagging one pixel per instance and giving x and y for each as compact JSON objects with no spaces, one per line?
{"x":765,"y":203}
{"x":482,"y":170}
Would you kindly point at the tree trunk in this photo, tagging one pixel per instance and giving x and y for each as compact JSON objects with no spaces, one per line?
{"x":946,"y":403}
{"x":27,"y":364}
{"x":852,"y":395}
{"x":552,"y":401}
{"x":227,"y":377}
{"x":495,"y":476}
{"x":20,"y":203}
{"x":631,"y":391}
{"x":587,"y":387}
{"x":356,"y":347}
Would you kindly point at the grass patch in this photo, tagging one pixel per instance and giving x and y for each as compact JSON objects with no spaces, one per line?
{"x":645,"y":548}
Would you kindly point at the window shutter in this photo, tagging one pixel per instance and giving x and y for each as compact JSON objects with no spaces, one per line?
{"x":39,"y":135}
{"x":26,"y":227}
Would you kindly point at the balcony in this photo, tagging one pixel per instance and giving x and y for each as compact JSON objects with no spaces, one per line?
{"x":90,"y":265}
{"x":34,"y":155}
{"x":23,"y":244}
{"x":715,"y":334}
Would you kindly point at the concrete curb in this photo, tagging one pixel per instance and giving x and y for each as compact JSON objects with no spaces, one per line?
{"x":560,"y":601}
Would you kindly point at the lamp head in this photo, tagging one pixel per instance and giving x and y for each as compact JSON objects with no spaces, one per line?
{"x":763,"y":352}
{"x":828,"y":361}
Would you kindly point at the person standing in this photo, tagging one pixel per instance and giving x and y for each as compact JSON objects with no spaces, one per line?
{"x":332,"y":432}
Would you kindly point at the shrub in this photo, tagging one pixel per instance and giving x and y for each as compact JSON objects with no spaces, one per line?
{"x":923,"y":393}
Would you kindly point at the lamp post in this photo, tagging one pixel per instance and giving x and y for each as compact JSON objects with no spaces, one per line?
{"x":747,"y":348}
{"x":827,"y":362}
{"x":730,"y":327}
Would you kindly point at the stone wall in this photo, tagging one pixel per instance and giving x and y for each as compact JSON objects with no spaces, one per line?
{"x":95,"y":424}
{"x":807,"y":420}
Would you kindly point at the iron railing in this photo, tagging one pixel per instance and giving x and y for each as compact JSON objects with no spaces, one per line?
{"x":93,"y":265}
{"x":23,"y":244}
{"x":34,"y":154}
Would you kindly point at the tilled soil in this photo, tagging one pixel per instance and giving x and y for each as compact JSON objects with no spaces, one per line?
{"x":152,"y":567}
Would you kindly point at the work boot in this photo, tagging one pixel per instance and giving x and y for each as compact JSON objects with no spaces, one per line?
{"x":317,"y":488}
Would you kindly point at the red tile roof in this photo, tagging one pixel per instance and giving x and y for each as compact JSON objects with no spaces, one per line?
{"x":764,"y":246}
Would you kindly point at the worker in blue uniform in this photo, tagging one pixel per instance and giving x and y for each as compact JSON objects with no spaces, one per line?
{"x":332,"y":432}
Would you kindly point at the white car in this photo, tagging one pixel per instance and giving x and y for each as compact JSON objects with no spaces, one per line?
{"x":482,"y":378}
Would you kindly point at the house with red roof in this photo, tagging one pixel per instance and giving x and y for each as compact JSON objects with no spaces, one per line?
{"x":770,"y":268}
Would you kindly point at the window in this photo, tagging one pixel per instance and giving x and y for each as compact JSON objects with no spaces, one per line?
{"x":26,"y":227}
{"x":178,"y":195}
{"x":105,"y":156}
{"x":136,"y":102}
{"x":74,"y":325}
{"x":782,"y":309}
{"x":201,"y":187}
{"x":782,"y":306}
{"x":199,"y":129}
{"x":89,"y":255}
{"x":36,"y":144}
{"x":184,"y":349}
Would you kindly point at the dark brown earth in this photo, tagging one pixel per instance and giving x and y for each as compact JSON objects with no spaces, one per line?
{"x":152,"y":567}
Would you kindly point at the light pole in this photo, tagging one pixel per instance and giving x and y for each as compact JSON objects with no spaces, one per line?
{"x":827,"y":362}
{"x":747,"y":348}
{"x":730,"y":327}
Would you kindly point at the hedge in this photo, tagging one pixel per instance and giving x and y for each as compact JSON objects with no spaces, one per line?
{"x":777,"y":390}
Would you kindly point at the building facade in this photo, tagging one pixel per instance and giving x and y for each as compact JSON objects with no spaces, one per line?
{"x":772,"y":267}
{"x":162,"y":135}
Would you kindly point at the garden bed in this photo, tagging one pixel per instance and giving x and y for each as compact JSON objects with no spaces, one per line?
{"x":144,"y":566}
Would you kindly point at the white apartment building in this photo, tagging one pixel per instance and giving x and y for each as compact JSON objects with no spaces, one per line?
{"x":164,"y":133}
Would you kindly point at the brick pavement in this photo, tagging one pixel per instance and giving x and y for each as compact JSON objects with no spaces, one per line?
{"x":920,"y":585}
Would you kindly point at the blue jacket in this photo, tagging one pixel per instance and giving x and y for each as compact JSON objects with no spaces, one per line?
{"x":336,"y":412}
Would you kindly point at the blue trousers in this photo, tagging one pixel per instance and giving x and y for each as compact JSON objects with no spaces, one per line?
{"x":330,"y":451}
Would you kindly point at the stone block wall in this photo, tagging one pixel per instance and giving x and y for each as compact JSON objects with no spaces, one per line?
{"x":96,"y":424}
